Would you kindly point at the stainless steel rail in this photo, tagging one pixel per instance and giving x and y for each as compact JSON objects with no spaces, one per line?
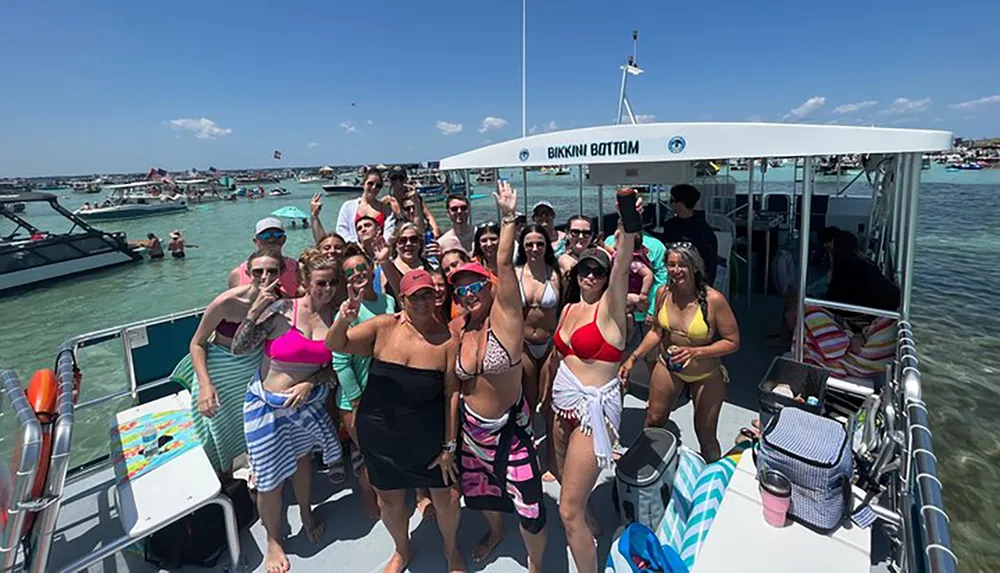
{"x":927,"y":521}
{"x":24,"y":477}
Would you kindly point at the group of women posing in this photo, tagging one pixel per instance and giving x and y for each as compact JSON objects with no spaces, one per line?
{"x":442,"y":400}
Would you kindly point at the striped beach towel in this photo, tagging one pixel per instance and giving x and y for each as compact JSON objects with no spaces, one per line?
{"x":827,"y":344}
{"x":707,"y":498}
{"x":674,"y":524}
{"x":277,"y":437}
{"x":222,"y":434}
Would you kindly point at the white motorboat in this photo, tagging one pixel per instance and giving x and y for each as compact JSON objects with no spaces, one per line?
{"x":135,"y":200}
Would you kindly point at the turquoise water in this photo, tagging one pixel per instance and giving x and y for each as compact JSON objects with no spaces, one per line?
{"x":955,"y":294}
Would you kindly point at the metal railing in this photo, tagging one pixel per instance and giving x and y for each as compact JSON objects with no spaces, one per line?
{"x":24,"y":477}
{"x":922,"y":505}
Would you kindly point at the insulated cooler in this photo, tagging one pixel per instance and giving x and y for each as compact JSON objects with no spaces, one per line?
{"x":644,"y":476}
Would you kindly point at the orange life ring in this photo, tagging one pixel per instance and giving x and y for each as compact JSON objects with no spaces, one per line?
{"x":42,"y":391}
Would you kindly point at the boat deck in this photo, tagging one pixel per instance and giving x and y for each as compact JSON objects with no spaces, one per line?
{"x":353,"y":543}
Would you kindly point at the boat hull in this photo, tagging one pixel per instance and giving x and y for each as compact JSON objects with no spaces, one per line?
{"x":35,"y":275}
{"x":130,"y":212}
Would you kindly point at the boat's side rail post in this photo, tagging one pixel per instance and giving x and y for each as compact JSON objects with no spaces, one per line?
{"x":844,"y":307}
{"x":750,"y":214}
{"x":930,"y":535}
{"x":62,"y":441}
{"x":24,"y":478}
{"x":807,"y":189}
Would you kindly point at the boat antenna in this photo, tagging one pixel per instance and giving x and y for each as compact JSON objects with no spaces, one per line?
{"x":631,"y":67}
{"x":524,"y":84}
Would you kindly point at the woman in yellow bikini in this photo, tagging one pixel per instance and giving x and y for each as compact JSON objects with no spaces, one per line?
{"x":692,"y":329}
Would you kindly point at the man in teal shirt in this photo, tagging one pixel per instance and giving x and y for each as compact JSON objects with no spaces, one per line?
{"x":351,"y":369}
{"x":656,"y":252}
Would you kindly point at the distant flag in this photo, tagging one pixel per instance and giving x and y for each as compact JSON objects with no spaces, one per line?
{"x":353,"y":104}
{"x":277,"y":154}
{"x":212,"y":170}
{"x":155,"y":174}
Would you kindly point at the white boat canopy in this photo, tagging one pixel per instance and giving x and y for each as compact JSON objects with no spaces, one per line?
{"x":679,"y":142}
{"x":136,"y":185}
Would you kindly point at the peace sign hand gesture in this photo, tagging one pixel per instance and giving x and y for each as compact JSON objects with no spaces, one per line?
{"x":381,"y":250}
{"x":265,"y":297}
{"x":506,"y":197}
{"x":316,"y":205}
{"x":350,"y":307}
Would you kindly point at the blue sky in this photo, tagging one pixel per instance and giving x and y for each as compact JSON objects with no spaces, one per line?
{"x":115,"y":86}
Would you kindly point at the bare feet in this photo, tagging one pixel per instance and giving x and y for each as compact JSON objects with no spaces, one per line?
{"x":313,"y":528}
{"x":455,"y":563}
{"x":427,"y":510}
{"x":275,"y":561}
{"x":397,"y":563}
{"x":487,"y":544}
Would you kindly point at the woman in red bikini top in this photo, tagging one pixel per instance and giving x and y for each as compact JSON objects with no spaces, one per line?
{"x":585,"y":393}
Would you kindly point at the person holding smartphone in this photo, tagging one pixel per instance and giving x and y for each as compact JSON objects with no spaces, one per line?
{"x":586,"y":394}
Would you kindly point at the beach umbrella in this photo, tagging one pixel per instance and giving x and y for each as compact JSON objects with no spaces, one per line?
{"x":325,"y":169}
{"x":290,"y":212}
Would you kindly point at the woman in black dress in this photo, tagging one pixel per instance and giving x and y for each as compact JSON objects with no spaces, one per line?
{"x":407,"y":421}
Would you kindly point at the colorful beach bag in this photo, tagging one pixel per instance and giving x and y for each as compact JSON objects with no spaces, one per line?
{"x":638,"y":551}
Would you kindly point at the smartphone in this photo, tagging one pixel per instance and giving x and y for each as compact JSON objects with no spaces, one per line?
{"x":631,"y":220}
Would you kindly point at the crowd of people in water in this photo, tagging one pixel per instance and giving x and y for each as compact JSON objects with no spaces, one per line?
{"x":418,"y":358}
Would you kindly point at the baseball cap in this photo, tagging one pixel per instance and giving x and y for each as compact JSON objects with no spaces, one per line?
{"x":598,"y":255}
{"x":417,"y":279}
{"x":542,"y":203}
{"x":396,"y":171}
{"x":474,"y":268}
{"x":268,"y":223}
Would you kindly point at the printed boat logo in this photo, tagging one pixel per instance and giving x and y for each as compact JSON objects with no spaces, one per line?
{"x":676,"y":144}
{"x":524,"y":155}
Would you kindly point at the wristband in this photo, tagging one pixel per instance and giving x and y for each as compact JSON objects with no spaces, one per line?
{"x":450,"y":446}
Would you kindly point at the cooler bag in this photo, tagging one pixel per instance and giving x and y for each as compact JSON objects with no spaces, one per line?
{"x":814,"y":453}
{"x":644,"y":476}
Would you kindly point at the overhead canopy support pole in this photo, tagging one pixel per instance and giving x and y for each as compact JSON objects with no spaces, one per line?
{"x":750,"y":233}
{"x":807,"y":191}
{"x":600,"y":207}
{"x":904,"y":205}
{"x":524,"y":188}
{"x":580,"y":169}
{"x":913,"y":190}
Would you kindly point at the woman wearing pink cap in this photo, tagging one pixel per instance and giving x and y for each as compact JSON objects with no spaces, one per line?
{"x":407,"y":420}
{"x":499,"y":465}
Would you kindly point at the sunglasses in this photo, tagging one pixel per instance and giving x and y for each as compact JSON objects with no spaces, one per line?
{"x":459,"y":208}
{"x":356,"y":270}
{"x":325,"y":284}
{"x":397,"y":178}
{"x":411,"y":240}
{"x":271,"y":235}
{"x":261,"y":272}
{"x":375,"y":185}
{"x":579,"y":232}
{"x":591,"y":270}
{"x":680,"y":245}
{"x":538,"y":245}
{"x":473,"y":288}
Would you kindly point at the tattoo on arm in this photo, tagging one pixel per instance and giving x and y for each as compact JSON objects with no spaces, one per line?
{"x":249,"y":336}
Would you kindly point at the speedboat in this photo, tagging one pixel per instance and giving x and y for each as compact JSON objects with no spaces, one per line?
{"x":135,"y":200}
{"x":309,"y":179}
{"x":278,"y":192}
{"x":30,"y":255}
{"x":344,"y":185}
{"x":81,"y":525}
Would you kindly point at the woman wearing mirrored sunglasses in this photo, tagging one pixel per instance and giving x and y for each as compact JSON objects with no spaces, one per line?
{"x":586,"y":395}
{"x":284,"y":414}
{"x":497,"y":440}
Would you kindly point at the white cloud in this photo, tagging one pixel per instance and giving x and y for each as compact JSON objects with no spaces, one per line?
{"x":448,"y":128}
{"x":976,"y":103}
{"x":853,"y":107}
{"x":202,"y":128}
{"x":905,"y":105}
{"x":370,"y":122}
{"x":645,"y":118}
{"x":312,"y":144}
{"x":348,"y":127}
{"x":545,"y":127}
{"x":807,"y":107}
{"x":490,"y":123}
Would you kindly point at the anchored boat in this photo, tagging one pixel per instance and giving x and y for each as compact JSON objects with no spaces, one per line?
{"x":135,"y":200}
{"x":30,"y":255}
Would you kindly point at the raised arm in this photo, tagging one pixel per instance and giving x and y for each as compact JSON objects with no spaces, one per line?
{"x":360,"y":339}
{"x":315,"y":206}
{"x":508,"y":296}
{"x":614,"y":299}
{"x":390,"y":272}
